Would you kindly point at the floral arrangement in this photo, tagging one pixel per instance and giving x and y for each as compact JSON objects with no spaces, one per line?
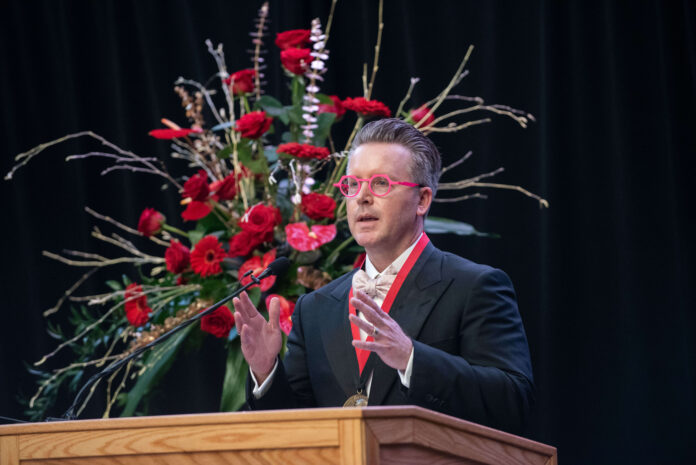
{"x":260,"y":186}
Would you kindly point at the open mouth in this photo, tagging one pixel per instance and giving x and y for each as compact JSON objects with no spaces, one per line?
{"x":366,"y":218}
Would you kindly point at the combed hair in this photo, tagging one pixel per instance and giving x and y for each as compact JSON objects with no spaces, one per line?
{"x":426,"y":166}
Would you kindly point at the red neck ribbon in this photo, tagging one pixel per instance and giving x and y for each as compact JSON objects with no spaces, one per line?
{"x":362,"y":354}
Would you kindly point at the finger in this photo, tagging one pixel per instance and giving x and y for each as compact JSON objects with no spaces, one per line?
{"x":248,"y":307}
{"x":368,"y":345}
{"x":362,"y":324}
{"x":239,"y":322}
{"x":274,"y":314}
{"x":372,"y":315}
{"x":367,"y":300}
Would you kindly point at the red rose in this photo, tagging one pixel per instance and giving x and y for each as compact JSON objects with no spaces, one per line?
{"x":219,"y":322}
{"x":301,"y":238}
{"x":177,"y":256}
{"x":257,"y":265}
{"x":337,"y":107}
{"x":286,"y":309}
{"x":196,"y":210}
{"x":318,"y":206}
{"x":253,"y":125}
{"x":243,"y":244}
{"x":296,"y":60}
{"x":260,"y":219}
{"x":242,"y":81}
{"x":367,"y":107}
{"x":196,"y":187}
{"x":206,"y":256}
{"x":137,"y":311}
{"x":420,"y":113}
{"x":303,"y":150}
{"x":225,"y":189}
{"x":295,"y":38}
{"x":172,"y":133}
{"x":150,"y":222}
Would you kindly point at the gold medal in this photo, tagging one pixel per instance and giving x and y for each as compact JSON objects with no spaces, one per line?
{"x":356,"y":400}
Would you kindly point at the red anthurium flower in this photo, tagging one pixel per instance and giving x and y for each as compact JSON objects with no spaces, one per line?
{"x":257,"y":265}
{"x":253,"y":125}
{"x":303,"y":150}
{"x":219,"y":322}
{"x":177,"y":256}
{"x":420,"y":113}
{"x":286,"y":309}
{"x":337,"y":107}
{"x":196,"y":210}
{"x":172,"y":133}
{"x":150,"y":222}
{"x":243,"y":243}
{"x":225,"y":189}
{"x":301,"y":238}
{"x":242,"y":81}
{"x":196,"y":187}
{"x":206,"y":256}
{"x":296,"y":60}
{"x":367,"y":107}
{"x":293,"y":38}
{"x":318,"y":206}
{"x":137,"y":310}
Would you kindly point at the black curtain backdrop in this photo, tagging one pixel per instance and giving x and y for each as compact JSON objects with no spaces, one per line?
{"x":604,"y":277}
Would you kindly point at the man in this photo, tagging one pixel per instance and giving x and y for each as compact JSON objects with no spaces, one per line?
{"x":436,"y":330}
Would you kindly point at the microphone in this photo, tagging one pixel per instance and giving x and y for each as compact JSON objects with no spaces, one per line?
{"x":276,"y":268}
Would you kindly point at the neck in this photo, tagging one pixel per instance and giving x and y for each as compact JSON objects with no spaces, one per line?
{"x":381,"y":258}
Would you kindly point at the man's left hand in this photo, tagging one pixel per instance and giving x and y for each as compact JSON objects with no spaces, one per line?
{"x":390,"y":342}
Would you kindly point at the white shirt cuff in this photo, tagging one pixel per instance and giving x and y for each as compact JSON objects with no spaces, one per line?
{"x":405,"y":376}
{"x":259,"y":391}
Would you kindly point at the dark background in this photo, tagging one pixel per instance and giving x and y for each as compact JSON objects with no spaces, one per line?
{"x":604,"y":277}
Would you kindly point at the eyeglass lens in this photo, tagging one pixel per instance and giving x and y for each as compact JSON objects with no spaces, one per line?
{"x":379,"y":185}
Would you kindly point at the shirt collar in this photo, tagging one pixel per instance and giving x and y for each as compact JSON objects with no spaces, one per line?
{"x":396,"y":264}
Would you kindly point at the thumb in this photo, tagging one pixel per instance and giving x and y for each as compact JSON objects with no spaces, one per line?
{"x":274,"y":314}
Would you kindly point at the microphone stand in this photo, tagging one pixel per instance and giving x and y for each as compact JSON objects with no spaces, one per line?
{"x":70,"y":413}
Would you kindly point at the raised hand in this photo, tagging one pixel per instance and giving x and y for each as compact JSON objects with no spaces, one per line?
{"x":390,"y":342}
{"x":261,"y":339}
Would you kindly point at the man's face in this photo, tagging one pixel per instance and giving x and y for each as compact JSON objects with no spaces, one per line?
{"x":385,"y":226}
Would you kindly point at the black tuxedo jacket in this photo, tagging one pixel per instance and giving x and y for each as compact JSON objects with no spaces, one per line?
{"x":471,"y":358}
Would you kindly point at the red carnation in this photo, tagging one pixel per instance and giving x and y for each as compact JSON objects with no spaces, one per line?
{"x":296,"y":60}
{"x":206,"y":256}
{"x":261,"y":219}
{"x":244,"y":243}
{"x":301,"y":238}
{"x":150,"y":222}
{"x":196,"y":187}
{"x":420,"y":113}
{"x":367,"y":107}
{"x":219,"y":322}
{"x":286,"y":309}
{"x":177,"y":256}
{"x":303,"y":150}
{"x":295,"y":38}
{"x":225,"y":189}
{"x":318,"y":206}
{"x":337,"y":107}
{"x":172,"y":133}
{"x":137,"y":311}
{"x":242,"y":81}
{"x":253,"y":125}
{"x":257,"y":265}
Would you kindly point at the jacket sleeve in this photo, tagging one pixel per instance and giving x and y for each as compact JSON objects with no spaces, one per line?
{"x":291,"y":387}
{"x":487,"y":379}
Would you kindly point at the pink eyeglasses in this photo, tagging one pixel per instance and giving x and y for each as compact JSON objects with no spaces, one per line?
{"x":379,"y":184}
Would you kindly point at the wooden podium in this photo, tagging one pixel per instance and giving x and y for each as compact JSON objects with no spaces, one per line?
{"x":373,"y":435}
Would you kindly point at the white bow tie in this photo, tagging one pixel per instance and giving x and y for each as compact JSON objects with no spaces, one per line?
{"x":376,"y":288}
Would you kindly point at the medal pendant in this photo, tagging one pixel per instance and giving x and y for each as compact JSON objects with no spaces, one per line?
{"x":356,"y":400}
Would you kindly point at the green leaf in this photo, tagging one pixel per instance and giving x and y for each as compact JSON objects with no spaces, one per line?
{"x":325,"y":99}
{"x":255,"y":295}
{"x":246,"y":157}
{"x":324,"y":121}
{"x":270,"y":153}
{"x":158,"y":362}
{"x":295,"y":114}
{"x":225,"y":153}
{"x":114,"y":285}
{"x":273,"y":108}
{"x":234,"y":384}
{"x":436,"y":225}
{"x":195,"y":235}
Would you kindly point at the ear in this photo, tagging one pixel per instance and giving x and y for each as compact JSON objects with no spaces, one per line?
{"x":424,"y":200}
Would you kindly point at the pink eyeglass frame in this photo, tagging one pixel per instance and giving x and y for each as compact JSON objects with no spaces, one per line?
{"x":369,"y":184}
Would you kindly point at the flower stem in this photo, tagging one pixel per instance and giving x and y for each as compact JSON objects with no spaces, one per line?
{"x":174,"y":230}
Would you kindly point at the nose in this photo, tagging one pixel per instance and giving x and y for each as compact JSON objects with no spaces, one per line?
{"x":364,"y":194}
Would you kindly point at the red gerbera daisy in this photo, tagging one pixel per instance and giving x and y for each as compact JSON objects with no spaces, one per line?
{"x":301,"y":238}
{"x":257,"y":265}
{"x":137,"y":310}
{"x":206,"y":256}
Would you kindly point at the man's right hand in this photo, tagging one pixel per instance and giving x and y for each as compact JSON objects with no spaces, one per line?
{"x":261,"y":339}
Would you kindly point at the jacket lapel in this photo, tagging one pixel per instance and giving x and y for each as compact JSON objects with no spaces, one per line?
{"x":337,"y":338}
{"x":412,"y":306}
